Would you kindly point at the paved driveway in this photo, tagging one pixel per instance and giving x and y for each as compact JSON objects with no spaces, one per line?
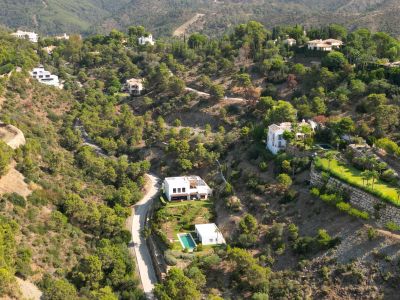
{"x":143,"y":258}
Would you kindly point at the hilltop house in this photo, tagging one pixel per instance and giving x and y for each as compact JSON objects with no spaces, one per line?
{"x":324,"y":45}
{"x":143,"y":40}
{"x":45,"y":77}
{"x":31,"y":36}
{"x":209,"y":234}
{"x":275,"y":139}
{"x":186,"y":188}
{"x":134,"y":86}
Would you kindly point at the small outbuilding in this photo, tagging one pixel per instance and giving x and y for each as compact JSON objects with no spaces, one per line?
{"x":209,"y":234}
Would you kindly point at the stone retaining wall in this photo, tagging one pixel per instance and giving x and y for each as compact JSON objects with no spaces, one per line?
{"x":382,"y":211}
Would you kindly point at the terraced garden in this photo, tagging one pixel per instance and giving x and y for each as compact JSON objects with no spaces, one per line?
{"x":353,"y":176}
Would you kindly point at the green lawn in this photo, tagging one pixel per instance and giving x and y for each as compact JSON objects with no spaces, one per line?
{"x":353,"y":176}
{"x":182,"y":216}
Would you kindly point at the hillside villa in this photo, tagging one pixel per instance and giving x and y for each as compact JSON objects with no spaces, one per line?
{"x":30,"y":36}
{"x":209,"y":234}
{"x":45,"y":77}
{"x":143,"y":40}
{"x":275,"y":140}
{"x":186,"y":188}
{"x":324,"y":45}
{"x":62,"y":37}
{"x":290,"y":42}
{"x":134,"y":86}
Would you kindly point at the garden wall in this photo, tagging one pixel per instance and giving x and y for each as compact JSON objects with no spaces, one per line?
{"x":382,"y":211}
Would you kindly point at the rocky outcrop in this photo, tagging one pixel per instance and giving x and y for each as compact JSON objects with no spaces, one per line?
{"x":382,"y":211}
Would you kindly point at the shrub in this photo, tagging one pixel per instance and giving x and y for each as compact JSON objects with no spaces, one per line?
{"x":389,"y":175}
{"x":285,"y":180}
{"x":170,"y":259}
{"x":359,"y":214}
{"x":16,"y":199}
{"x":315,"y":192}
{"x":263,"y":166}
{"x":372,"y":233}
{"x":392,"y":226}
{"x":343,"y":206}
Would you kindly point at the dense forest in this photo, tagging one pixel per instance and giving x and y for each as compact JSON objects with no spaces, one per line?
{"x":69,"y":236}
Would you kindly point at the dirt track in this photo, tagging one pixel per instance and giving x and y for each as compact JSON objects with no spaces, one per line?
{"x":181,"y":30}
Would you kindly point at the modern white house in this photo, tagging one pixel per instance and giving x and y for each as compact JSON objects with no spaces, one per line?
{"x":209,"y":234}
{"x":30,"y":36}
{"x":275,"y":140}
{"x":324,"y":45}
{"x":134,"y":86}
{"x":186,"y":188}
{"x":45,"y":77}
{"x":290,"y":42}
{"x":143,"y":40}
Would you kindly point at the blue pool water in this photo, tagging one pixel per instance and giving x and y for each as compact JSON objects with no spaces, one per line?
{"x":187,"y":241}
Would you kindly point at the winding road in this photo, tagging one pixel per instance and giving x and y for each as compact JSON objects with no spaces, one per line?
{"x":143,"y":259}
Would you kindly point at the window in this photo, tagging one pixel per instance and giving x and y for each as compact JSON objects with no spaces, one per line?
{"x":174,"y":190}
{"x":179,"y":190}
{"x":183,"y":190}
{"x":211,"y":240}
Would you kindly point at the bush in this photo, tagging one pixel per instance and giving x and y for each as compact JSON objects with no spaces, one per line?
{"x":358,"y":214}
{"x":263,"y":166}
{"x":343,"y":206}
{"x":315,"y":192}
{"x":170,"y":259}
{"x":16,"y":199}
{"x":392,"y":226}
{"x":388,"y":175}
{"x":285,"y":180}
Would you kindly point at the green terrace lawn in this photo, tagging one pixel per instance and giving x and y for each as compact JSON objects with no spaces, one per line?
{"x":353,"y":176}
{"x":183,"y":215}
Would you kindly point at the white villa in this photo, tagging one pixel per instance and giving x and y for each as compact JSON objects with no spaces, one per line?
{"x":31,"y":36}
{"x":275,"y":140}
{"x":143,"y":40}
{"x":324,"y":45}
{"x":62,"y":37}
{"x":186,"y":188}
{"x":209,"y":234}
{"x":290,"y":42}
{"x":43,"y":76}
{"x":134,"y":86}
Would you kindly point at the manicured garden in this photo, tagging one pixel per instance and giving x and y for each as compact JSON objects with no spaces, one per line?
{"x":180,"y":217}
{"x":354,"y":177}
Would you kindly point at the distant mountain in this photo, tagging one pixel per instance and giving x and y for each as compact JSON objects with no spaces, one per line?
{"x":56,"y":16}
{"x":163,"y":16}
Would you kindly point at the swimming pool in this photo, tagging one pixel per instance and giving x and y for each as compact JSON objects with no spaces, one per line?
{"x":187,"y":241}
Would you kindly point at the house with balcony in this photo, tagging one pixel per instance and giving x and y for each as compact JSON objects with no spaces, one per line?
{"x":186,"y":188}
{"x":45,"y":77}
{"x":324,"y":45}
{"x":134,"y":86}
{"x":275,"y":140}
{"x":143,"y":40}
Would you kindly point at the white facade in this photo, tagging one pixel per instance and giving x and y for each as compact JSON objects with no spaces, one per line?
{"x":290,"y":42}
{"x":62,"y":37}
{"x":134,"y":86}
{"x":143,"y":40}
{"x":209,"y":234}
{"x":45,"y":77}
{"x":324,"y":45}
{"x":275,"y":140}
{"x":31,"y":36}
{"x":186,"y":188}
